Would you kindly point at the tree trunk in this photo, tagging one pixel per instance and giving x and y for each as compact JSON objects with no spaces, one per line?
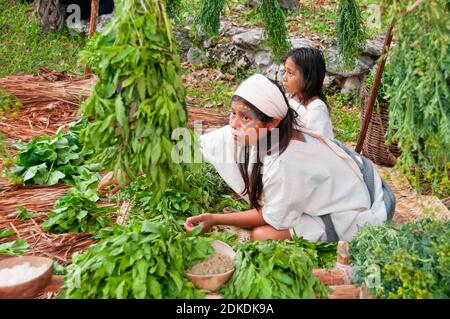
{"x":51,"y":14}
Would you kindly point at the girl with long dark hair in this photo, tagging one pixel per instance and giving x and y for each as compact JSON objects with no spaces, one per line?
{"x":303,"y":81}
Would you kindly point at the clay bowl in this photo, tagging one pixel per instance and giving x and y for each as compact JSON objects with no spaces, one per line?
{"x":34,"y":285}
{"x":213,"y":282}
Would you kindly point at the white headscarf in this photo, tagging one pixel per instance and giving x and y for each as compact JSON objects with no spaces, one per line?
{"x":264,"y":95}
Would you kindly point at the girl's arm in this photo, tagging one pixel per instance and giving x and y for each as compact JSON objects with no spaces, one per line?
{"x":247,"y":219}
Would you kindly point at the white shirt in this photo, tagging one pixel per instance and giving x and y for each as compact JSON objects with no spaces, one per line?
{"x":314,"y":118}
{"x":306,"y":181}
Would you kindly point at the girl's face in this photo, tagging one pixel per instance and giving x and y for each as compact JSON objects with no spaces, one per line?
{"x":246,"y":128}
{"x":292,"y":78}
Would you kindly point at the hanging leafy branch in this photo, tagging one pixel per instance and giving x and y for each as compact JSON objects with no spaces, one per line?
{"x":139,"y":99}
{"x":208,"y":18}
{"x":275,"y":29}
{"x":418,"y":91}
{"x":350,"y":32}
{"x":173,"y":8}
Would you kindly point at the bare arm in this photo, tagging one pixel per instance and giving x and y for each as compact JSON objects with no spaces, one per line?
{"x":247,"y":219}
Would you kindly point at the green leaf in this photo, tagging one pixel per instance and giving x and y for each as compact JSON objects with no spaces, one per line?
{"x":54,"y":177}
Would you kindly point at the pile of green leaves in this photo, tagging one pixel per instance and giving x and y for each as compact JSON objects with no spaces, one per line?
{"x":49,"y":160}
{"x":139,"y":99}
{"x":322,"y":254}
{"x":145,"y":260}
{"x":203,"y":191}
{"x":410,"y":262}
{"x":349,"y":32}
{"x":275,"y":29}
{"x":14,"y":248}
{"x":75,"y":212}
{"x":418,"y":94}
{"x":208,"y":18}
{"x":273,"y":269}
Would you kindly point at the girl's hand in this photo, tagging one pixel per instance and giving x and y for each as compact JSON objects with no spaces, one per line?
{"x":206,"y":221}
{"x":106,"y":181}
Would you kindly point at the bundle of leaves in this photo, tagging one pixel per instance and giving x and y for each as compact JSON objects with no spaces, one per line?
{"x":350,"y":33}
{"x":14,"y":248}
{"x":75,"y":212}
{"x":275,"y":28}
{"x":418,"y":94}
{"x":208,"y":18}
{"x":139,"y":98}
{"x":410,"y":262}
{"x":173,"y":8}
{"x":273,"y":269}
{"x":145,"y":260}
{"x":49,"y":160}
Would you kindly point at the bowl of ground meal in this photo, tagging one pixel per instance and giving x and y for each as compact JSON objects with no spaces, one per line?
{"x":24,"y":277}
{"x":211,"y":273}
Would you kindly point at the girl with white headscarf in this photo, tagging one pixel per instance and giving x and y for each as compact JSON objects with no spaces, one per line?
{"x":301,"y":183}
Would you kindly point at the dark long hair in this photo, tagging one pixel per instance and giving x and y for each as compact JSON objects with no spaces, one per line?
{"x":311,"y":63}
{"x":253,"y":181}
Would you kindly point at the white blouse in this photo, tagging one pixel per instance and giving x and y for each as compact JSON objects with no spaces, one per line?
{"x":305,"y":182}
{"x":314,"y":118}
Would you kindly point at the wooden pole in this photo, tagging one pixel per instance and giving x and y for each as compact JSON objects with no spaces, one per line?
{"x":375,"y":87}
{"x":92,"y":26}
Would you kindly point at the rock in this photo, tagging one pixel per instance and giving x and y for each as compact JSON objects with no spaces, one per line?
{"x":82,"y":26}
{"x":328,"y":80}
{"x":182,"y":37}
{"x":263,"y":58}
{"x":271,"y":71}
{"x":374,"y":47}
{"x":331,"y":54}
{"x":207,"y":43}
{"x":280,"y":73}
{"x":250,"y":39}
{"x":253,"y":3}
{"x":230,"y":54}
{"x":301,"y":43}
{"x":288,"y":4}
{"x":195,"y":56}
{"x":234,"y":31}
{"x":351,"y":85}
{"x":222,"y":27}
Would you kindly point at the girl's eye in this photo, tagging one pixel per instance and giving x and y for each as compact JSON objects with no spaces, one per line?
{"x":245,"y":117}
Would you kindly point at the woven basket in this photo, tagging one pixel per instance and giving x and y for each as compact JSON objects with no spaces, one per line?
{"x":374,"y":146}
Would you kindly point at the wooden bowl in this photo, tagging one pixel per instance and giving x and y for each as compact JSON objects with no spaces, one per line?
{"x":213,"y":282}
{"x":32,"y":287}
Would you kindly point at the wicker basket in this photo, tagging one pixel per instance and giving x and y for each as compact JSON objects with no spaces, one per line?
{"x":374,"y":146}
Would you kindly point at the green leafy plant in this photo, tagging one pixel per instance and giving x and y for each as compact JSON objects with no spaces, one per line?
{"x":411,"y":262}
{"x":9,"y":104}
{"x":5,"y":232}
{"x":139,"y":99}
{"x":273,"y":269}
{"x":418,"y":94}
{"x":75,"y":213}
{"x":23,"y":213}
{"x":145,"y":260}
{"x":14,"y":248}
{"x":48,"y":160}
{"x":173,"y":8}
{"x":349,"y":32}
{"x":208,"y":18}
{"x":275,"y":29}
